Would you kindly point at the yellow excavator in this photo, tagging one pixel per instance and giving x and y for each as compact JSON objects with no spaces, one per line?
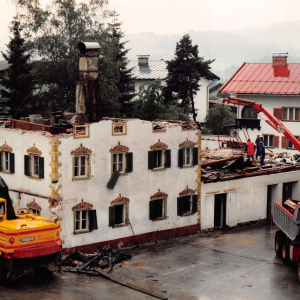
{"x":27,"y":241}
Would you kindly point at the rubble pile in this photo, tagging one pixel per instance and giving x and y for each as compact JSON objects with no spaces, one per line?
{"x":285,"y":158}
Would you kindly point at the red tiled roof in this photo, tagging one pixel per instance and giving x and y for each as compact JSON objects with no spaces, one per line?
{"x":262,"y":78}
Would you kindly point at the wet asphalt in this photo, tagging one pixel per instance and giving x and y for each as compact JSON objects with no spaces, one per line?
{"x":238,"y":263}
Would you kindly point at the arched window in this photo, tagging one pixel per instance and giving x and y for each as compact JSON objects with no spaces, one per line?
{"x":248,"y":112}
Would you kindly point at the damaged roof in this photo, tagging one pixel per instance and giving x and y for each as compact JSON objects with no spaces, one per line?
{"x":264,"y":78}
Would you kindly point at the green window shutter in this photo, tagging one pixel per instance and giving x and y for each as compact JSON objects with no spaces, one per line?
{"x":129,"y":162}
{"x":195,"y":156}
{"x":27,"y":165}
{"x":180,"y":158}
{"x":195,"y":203}
{"x":150,"y":160}
{"x":113,"y":180}
{"x":179,"y":206}
{"x":1,"y":155}
{"x":11,"y":162}
{"x":92,"y":219}
{"x":168,"y":158}
{"x":41,"y":167}
{"x":152,"y":210}
{"x":112,"y":216}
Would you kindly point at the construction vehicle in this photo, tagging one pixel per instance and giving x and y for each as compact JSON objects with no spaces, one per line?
{"x":287,"y":215}
{"x":27,"y":241}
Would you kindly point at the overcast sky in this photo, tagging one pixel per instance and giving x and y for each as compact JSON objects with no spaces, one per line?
{"x":180,"y":16}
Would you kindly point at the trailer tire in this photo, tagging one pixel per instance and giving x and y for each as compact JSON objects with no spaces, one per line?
{"x":278,"y":244}
{"x":286,"y":250}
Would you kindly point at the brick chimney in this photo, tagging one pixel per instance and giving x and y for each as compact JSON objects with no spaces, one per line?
{"x":279,"y":58}
{"x":143,"y":60}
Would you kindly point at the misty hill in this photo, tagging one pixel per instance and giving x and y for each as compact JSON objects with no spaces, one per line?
{"x":229,"y":49}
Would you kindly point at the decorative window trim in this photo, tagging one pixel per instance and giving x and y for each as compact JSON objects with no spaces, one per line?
{"x":115,"y":124}
{"x":29,"y":163}
{"x":127,"y":159}
{"x":79,"y":152}
{"x":34,"y":150}
{"x":158,"y":196}
{"x":82,"y":205}
{"x":165,"y":159}
{"x":119,"y":200}
{"x":187,"y":192}
{"x":125,"y":211}
{"x":6,"y":148}
{"x":187,"y":144}
{"x":33,"y":205}
{"x":158,"y":127}
{"x":159,"y":145}
{"x":86,"y":131}
{"x":188,"y":126}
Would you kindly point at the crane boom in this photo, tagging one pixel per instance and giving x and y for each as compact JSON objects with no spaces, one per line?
{"x":273,"y":122}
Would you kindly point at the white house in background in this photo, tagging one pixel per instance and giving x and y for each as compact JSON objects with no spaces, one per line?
{"x":276,"y":86}
{"x":144,"y":71}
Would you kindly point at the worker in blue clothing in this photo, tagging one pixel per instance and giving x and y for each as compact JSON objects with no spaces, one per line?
{"x":257,"y":141}
{"x":262,"y":153}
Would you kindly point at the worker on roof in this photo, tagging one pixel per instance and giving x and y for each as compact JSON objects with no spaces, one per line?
{"x":262,"y":153}
{"x":257,"y":141}
{"x":250,"y":149}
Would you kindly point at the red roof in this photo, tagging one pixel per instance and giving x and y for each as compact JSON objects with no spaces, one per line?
{"x":264,"y":79}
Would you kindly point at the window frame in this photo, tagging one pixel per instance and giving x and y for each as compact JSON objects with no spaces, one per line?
{"x":7,"y":166}
{"x":190,"y":150}
{"x":81,"y":230}
{"x":117,"y":162}
{"x":193,"y":202}
{"x":152,"y":203}
{"x":290,"y":145}
{"x":86,"y":131}
{"x":165,"y":160}
{"x":87,"y":167}
{"x":117,"y":124}
{"x":268,"y":139}
{"x":289,"y":114}
{"x":31,"y":164}
{"x":125,"y":215}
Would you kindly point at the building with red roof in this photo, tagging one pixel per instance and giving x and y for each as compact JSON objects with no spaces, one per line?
{"x":276,"y":86}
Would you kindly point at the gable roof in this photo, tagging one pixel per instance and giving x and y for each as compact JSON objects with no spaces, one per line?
{"x":155,"y":69}
{"x":264,"y":78}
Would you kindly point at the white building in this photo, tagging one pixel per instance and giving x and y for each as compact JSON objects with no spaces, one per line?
{"x":276,"y":86}
{"x":145,"y":71}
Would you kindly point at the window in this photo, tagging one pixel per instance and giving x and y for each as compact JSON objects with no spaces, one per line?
{"x":34,"y":166}
{"x":248,"y":113}
{"x":119,"y":212}
{"x":81,"y":163}
{"x":7,"y":159}
{"x":2,"y":208}
{"x":119,"y":128}
{"x":34,"y":211}
{"x":187,"y":205}
{"x":290,"y":145}
{"x":82,"y":131}
{"x":290,"y":114}
{"x":85,"y":218}
{"x":80,"y":166}
{"x":158,"y":209}
{"x":118,"y":162}
{"x":188,"y":157}
{"x":158,"y":127}
{"x":268,"y":140}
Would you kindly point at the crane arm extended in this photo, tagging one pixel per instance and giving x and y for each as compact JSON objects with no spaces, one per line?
{"x":273,"y":122}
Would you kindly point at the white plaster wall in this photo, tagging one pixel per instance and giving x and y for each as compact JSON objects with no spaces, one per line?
{"x":246,"y":197}
{"x":214,"y":141}
{"x":269,"y":102}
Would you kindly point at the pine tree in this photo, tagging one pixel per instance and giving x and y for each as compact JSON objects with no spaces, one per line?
{"x":185,"y":72}
{"x":17,"y":81}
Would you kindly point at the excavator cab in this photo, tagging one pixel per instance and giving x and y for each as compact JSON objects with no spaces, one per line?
{"x":2,"y":209}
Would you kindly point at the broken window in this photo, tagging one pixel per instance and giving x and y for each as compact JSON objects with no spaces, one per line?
{"x":187,"y":205}
{"x":290,"y":114}
{"x":119,"y":128}
{"x":268,"y":140}
{"x":158,"y":127}
{"x":7,"y":162}
{"x":35,"y":211}
{"x":158,"y":209}
{"x":118,"y":215}
{"x":34,"y":166}
{"x":81,"y":131}
{"x":159,"y":159}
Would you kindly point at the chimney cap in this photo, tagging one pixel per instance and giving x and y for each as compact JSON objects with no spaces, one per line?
{"x":281,"y":54}
{"x":85,"y":46}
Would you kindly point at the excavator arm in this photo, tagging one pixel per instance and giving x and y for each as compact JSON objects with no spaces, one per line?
{"x":273,"y":122}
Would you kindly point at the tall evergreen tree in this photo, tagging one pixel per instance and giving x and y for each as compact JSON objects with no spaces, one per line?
{"x":17,"y":80}
{"x":185,"y":72}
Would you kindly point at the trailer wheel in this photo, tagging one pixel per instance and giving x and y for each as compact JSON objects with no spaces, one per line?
{"x":278,"y":244}
{"x":286,"y":251}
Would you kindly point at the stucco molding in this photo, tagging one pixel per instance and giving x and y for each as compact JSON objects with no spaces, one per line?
{"x":119,"y":148}
{"x":120,"y":200}
{"x":159,"y":145}
{"x":81,"y":150}
{"x":187,"y":192}
{"x":34,"y":205}
{"x":82,"y":205}
{"x":187,"y":143}
{"x":34,"y":150}
{"x":159,"y":194}
{"x":5,"y":147}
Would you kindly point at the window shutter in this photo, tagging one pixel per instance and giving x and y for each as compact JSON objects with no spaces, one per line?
{"x":284,"y":142}
{"x":27,"y":165}
{"x":41,"y":167}
{"x":129,"y":162}
{"x":276,"y":141}
{"x":195,"y":156}
{"x":112,"y":216}
{"x":92,"y":219}
{"x":113,"y":180}
{"x":168,"y":158}
{"x":195,"y":203}
{"x":152,"y":210}
{"x":179,"y":206}
{"x":180,"y":158}
{"x":150,"y":160}
{"x":11,"y":162}
{"x":277,"y":112}
{"x":1,"y":160}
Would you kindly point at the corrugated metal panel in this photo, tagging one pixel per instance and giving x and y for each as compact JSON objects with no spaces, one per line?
{"x":264,"y":79}
{"x":154,"y":70}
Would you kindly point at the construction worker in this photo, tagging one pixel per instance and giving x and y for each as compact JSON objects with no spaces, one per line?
{"x":262,"y":153}
{"x":250,"y":149}
{"x":257,"y":141}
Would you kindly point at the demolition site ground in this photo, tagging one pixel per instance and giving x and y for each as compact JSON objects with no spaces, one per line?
{"x":238,"y":263}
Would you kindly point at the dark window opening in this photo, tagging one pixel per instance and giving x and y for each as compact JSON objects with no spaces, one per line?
{"x":248,"y":113}
{"x":158,"y":158}
{"x":220,"y":210}
{"x":157,"y":209}
{"x":119,"y":214}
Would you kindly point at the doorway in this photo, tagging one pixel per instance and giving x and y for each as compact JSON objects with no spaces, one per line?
{"x":287,"y":189}
{"x":220,"y":210}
